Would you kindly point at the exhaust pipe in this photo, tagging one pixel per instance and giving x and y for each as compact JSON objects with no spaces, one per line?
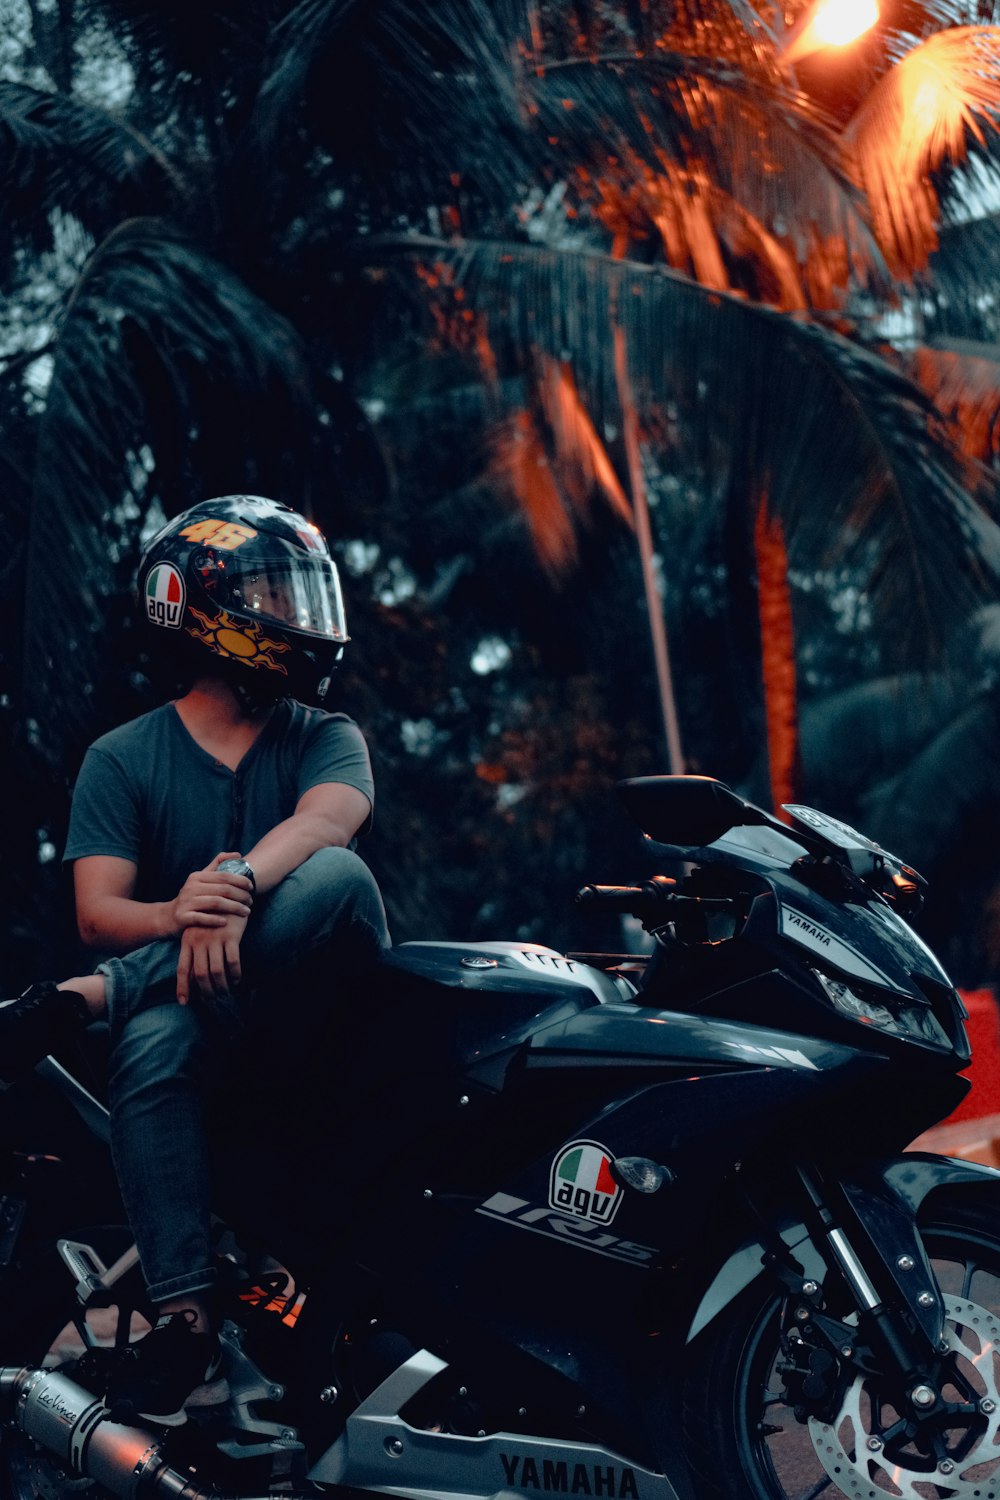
{"x":75,"y":1427}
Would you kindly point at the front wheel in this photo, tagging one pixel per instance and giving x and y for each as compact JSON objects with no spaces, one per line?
{"x":746,"y":1443}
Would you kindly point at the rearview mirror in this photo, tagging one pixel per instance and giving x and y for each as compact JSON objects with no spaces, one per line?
{"x":685,"y":810}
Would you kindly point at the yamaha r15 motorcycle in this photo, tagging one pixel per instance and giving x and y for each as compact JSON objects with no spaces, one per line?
{"x":637,"y":1229}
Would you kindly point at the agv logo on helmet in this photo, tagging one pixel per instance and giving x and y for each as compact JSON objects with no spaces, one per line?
{"x":165,"y":596}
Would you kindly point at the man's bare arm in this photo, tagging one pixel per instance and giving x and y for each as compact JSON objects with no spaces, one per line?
{"x":110,"y":918}
{"x":326,"y":816}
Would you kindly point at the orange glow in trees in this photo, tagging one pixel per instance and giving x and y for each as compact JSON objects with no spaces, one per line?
{"x":835,"y":23}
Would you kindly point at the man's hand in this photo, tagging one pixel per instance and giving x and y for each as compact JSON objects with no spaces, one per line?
{"x":209,"y":962}
{"x":210,"y":897}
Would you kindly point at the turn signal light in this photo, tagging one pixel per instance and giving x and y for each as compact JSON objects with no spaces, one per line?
{"x":640,"y":1174}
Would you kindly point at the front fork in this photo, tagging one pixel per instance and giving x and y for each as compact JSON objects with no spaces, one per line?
{"x":879,"y":1253}
{"x":866,"y":1234}
{"x":860,"y":1294}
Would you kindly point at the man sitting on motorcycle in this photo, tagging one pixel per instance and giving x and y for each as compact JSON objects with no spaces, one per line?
{"x":241,"y":592}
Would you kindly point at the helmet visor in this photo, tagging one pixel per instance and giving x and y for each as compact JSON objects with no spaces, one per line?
{"x":302,"y":593}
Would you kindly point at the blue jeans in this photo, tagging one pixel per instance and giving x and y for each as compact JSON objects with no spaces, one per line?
{"x":163,"y":1054}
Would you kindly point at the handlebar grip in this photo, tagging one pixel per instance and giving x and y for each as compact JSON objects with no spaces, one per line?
{"x":635,"y":900}
{"x":614,"y":897}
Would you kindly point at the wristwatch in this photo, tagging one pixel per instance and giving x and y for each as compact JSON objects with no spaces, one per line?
{"x":238,"y":867}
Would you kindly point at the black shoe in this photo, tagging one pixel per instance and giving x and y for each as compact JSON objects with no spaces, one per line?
{"x":31,"y":1026}
{"x":166,"y":1372}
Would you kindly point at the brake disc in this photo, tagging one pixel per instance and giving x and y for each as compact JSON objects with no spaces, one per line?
{"x":853,"y":1452}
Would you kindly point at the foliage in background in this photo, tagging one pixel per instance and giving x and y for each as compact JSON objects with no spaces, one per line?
{"x":416,"y":268}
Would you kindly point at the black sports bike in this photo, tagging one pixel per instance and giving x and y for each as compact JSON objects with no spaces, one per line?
{"x":631,"y":1228}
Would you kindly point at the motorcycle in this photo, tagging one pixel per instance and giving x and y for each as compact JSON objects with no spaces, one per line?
{"x":630,"y":1227}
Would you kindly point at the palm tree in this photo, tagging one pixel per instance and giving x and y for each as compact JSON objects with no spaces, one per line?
{"x":703,"y":156}
{"x":579,"y":154}
{"x":657,"y":257}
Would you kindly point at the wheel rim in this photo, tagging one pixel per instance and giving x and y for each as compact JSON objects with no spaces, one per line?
{"x":823,"y":1461}
{"x":859,"y":1452}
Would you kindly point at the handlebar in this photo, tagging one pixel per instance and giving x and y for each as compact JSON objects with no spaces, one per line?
{"x":657,"y":900}
{"x":628,"y":898}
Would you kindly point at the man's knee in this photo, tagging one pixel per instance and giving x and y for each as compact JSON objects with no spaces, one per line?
{"x":165,"y":1042}
{"x":333,"y":892}
{"x":336,"y":869}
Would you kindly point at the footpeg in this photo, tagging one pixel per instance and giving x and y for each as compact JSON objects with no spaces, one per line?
{"x":247,"y":1385}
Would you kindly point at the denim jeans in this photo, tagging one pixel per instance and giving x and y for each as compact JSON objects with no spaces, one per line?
{"x":163,"y":1054}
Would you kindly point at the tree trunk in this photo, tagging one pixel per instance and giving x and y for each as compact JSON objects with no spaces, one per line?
{"x":777,"y":652}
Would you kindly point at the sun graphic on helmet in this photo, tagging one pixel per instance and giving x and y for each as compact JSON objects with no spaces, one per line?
{"x":238,"y":639}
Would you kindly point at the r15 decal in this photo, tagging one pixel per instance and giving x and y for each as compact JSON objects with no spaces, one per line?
{"x":570,"y":1231}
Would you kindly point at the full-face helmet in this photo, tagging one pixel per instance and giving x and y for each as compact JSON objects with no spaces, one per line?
{"x":251,"y":583}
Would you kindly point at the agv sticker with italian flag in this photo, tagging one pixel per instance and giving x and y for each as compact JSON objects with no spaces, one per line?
{"x":582,"y":1184}
{"x":165,"y":595}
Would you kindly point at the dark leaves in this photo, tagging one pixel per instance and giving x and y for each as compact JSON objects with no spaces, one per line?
{"x":167,"y":375}
{"x":738,"y":398}
{"x":62,"y":153}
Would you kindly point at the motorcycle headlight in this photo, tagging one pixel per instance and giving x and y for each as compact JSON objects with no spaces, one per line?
{"x":894,"y":1014}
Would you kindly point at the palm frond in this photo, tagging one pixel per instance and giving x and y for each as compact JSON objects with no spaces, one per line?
{"x":550,"y":458}
{"x":655,"y":137}
{"x":923,"y":809}
{"x":737,"y":397}
{"x":920,"y":116}
{"x":295,"y":45}
{"x":483,"y":103}
{"x":62,"y":153}
{"x":957,"y":294}
{"x":962,"y":380}
{"x":406,"y":95}
{"x":907,"y":735}
{"x":578,"y":448}
{"x":164,"y":367}
{"x":736,"y":30}
{"x":521,"y":466}
{"x":193,"y":57}
{"x":467,"y":104}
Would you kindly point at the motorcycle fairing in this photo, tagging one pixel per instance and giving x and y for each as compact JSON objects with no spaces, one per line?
{"x":893,"y":951}
{"x":641,"y":1037}
{"x":510,"y":967}
{"x":457,"y":1005}
{"x":512,"y":1265}
{"x":887,"y":1200}
{"x":440,"y":1464}
{"x":695,"y":1126}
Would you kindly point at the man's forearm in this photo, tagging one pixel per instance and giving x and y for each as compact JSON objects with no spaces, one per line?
{"x":288,"y":845}
{"x":120,"y":924}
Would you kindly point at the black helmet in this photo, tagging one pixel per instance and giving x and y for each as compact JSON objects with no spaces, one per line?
{"x":252,"y":582}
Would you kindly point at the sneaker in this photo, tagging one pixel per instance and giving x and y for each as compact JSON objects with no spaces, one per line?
{"x":34,"y":1024}
{"x":170,"y":1370}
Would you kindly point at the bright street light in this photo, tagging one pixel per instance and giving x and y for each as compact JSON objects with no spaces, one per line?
{"x":837,"y":22}
{"x":832,"y":23}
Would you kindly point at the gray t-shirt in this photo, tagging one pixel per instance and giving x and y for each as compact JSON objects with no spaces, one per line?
{"x":147,"y":792}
